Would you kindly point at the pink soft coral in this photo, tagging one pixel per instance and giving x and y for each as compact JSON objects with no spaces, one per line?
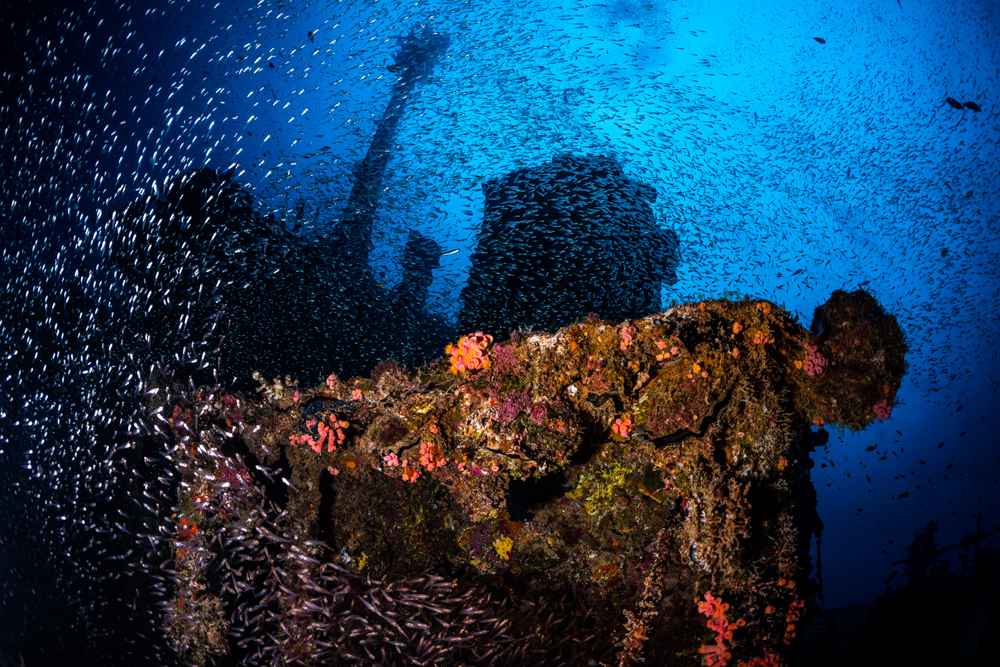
{"x":815,"y":362}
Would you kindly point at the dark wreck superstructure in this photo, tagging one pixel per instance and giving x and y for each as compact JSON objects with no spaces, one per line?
{"x":563,"y":239}
{"x":560,"y":240}
{"x":276,"y":295}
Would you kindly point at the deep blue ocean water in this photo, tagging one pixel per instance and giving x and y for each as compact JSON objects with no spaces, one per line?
{"x":795,"y":148}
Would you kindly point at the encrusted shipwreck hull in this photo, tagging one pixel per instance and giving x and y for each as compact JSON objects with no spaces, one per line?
{"x":608,"y":492}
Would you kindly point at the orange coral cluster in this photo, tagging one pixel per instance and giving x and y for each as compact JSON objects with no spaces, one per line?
{"x":431,"y":456}
{"x":186,"y":529}
{"x":470,"y":353}
{"x":665,"y":355}
{"x":717,"y":654}
{"x":410,"y":474}
{"x":795,"y":611}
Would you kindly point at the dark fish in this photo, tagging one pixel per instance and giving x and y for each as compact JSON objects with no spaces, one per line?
{"x":973,"y":106}
{"x":311,"y":37}
{"x":955,"y":104}
{"x":271,"y":65}
{"x":820,"y":40}
{"x":904,"y":494}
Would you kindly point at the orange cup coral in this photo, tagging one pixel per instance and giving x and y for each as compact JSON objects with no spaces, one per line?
{"x":469,"y":353}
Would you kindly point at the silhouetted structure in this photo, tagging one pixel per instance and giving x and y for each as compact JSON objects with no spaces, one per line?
{"x":561,"y":240}
{"x":304,"y":307}
{"x":413,"y":62}
{"x":937,"y":617}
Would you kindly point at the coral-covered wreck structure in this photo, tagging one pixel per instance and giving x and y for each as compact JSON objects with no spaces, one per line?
{"x":607,"y":493}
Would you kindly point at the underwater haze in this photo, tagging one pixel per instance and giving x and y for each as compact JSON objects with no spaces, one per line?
{"x":789,"y":149}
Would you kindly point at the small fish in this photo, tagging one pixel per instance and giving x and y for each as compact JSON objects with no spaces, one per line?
{"x":973,"y":106}
{"x":311,"y":37}
{"x":450,"y":252}
{"x":955,"y":104}
{"x":820,"y":40}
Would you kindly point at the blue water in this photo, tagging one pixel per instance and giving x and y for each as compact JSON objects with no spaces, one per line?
{"x":788,"y":167}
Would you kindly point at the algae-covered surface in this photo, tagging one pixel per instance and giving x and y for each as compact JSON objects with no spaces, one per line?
{"x":613,"y":492}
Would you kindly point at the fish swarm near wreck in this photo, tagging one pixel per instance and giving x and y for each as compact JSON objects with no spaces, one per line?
{"x":575,"y":495}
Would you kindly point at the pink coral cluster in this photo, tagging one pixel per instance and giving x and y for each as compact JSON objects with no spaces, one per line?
{"x":470,"y":353}
{"x":627,"y":334}
{"x":882,"y":409}
{"x":717,"y":655}
{"x":331,"y":435}
{"x":621,"y":427}
{"x":815,"y":362}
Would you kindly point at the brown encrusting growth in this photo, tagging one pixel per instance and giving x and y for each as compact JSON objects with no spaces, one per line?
{"x":566,"y":496}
